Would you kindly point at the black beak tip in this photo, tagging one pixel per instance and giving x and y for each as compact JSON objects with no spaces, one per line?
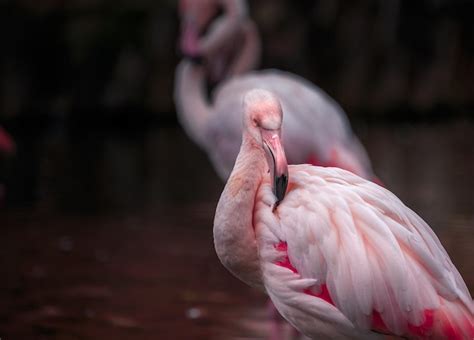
{"x":281,"y":183}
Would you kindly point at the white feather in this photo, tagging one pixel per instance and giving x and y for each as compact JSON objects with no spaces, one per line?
{"x":372,"y":252}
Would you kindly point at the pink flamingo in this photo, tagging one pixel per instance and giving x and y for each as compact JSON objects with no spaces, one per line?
{"x":316,"y":127}
{"x":7,"y":147}
{"x":340,"y":256}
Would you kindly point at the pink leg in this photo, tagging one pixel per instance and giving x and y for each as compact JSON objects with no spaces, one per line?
{"x":276,"y":329}
{"x":278,"y":324}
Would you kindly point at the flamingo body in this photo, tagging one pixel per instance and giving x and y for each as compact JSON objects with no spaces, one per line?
{"x":343,"y":246}
{"x":339,"y":256}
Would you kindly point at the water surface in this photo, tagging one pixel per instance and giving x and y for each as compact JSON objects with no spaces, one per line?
{"x":109,"y":235}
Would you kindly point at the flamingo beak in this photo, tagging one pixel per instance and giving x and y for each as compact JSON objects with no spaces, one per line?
{"x":277,"y":162}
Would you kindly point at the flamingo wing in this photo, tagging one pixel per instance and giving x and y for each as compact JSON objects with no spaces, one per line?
{"x":351,"y":246}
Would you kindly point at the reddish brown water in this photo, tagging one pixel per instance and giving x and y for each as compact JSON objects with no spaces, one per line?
{"x":119,"y":244}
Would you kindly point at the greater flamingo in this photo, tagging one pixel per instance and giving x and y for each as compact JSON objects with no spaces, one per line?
{"x":316,"y":127}
{"x":340,"y":256}
{"x":7,"y":146}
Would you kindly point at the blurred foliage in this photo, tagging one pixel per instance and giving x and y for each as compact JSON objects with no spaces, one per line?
{"x":375,"y":57}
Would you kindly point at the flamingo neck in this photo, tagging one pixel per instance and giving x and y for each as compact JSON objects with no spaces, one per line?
{"x":225,"y":28}
{"x":232,"y":47}
{"x":192,"y":105}
{"x":234,"y":235}
{"x":247,"y":56}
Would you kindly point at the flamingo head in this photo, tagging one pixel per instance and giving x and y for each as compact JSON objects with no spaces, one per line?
{"x":263,"y":118}
{"x":196,"y":17}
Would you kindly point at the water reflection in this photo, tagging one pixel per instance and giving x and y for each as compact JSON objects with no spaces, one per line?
{"x":116,"y":240}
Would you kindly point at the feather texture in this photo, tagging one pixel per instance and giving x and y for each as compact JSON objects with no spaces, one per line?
{"x":383,"y":267}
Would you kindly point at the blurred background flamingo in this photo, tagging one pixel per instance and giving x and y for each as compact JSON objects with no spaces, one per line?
{"x":339,"y":256}
{"x":317,"y":129}
{"x":7,"y":148}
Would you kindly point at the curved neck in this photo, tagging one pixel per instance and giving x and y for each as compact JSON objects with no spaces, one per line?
{"x":192,"y":105}
{"x":225,"y":27}
{"x":248,"y":56}
{"x":234,"y":235}
{"x":233,"y":44}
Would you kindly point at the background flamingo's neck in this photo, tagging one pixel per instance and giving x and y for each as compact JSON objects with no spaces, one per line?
{"x":234,"y":235}
{"x":248,"y":55}
{"x":225,"y":28}
{"x":232,"y":47}
{"x":193,"y":108}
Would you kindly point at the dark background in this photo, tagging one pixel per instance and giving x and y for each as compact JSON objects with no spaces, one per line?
{"x":379,"y":59}
{"x":106,"y":222}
